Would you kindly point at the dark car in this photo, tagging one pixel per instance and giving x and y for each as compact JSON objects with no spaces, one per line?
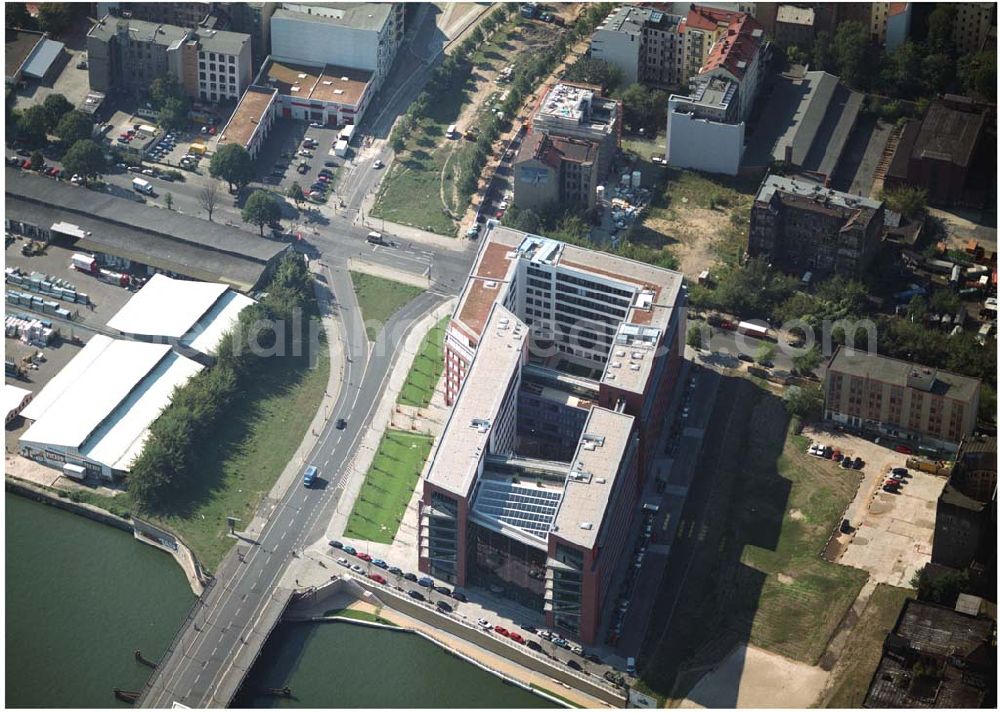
{"x":533,"y":645}
{"x":395,"y":570}
{"x":858,"y":463}
{"x":416,"y":595}
{"x":443,"y":590}
{"x":900,"y":472}
{"x":410,"y":577}
{"x":594,"y":658}
{"x":341,"y":424}
{"x":847,"y":463}
{"x":574,"y":665}
{"x":530,"y":628}
{"x":767,"y":364}
{"x":425,"y":582}
{"x":890,"y":488}
{"x":330,"y":164}
{"x":745,"y":357}
{"x":337,"y":543}
{"x":443,"y":606}
{"x":459,"y":597}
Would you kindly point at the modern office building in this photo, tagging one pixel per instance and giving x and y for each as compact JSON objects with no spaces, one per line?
{"x":559,"y":362}
{"x":801,"y":226}
{"x":571,"y":142}
{"x":891,"y":397}
{"x":126,"y":54}
{"x":360,"y":36}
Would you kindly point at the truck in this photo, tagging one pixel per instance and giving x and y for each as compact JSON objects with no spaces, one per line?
{"x":198,"y":149}
{"x":83,"y":263}
{"x":347,"y":133}
{"x":340,"y":148}
{"x":74,"y":471}
{"x":142,"y":185}
{"x":752,"y":330}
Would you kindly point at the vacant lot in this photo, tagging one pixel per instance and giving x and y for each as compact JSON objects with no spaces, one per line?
{"x":379,"y":299}
{"x":426,"y":370}
{"x":756,"y":576}
{"x":702,"y":219}
{"x":388,"y":486}
{"x":853,"y":671}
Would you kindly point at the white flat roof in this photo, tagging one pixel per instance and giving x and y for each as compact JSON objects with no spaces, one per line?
{"x":196,"y":313}
{"x":42,"y":58}
{"x":13,"y":397}
{"x":95,"y":394}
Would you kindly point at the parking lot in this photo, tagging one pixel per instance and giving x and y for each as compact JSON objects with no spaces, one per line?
{"x":889,"y":533}
{"x":281,"y":162}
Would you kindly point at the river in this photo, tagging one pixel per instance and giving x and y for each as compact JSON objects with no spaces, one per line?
{"x":82,"y":596}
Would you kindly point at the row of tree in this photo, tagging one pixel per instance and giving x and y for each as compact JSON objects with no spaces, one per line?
{"x":168,"y":467}
{"x":642,"y":107}
{"x":911,"y":71}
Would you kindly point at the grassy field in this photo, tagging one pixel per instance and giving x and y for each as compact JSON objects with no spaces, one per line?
{"x":380,"y":299}
{"x":426,"y":369}
{"x":756,"y":575}
{"x":388,"y":486}
{"x":854,"y":670}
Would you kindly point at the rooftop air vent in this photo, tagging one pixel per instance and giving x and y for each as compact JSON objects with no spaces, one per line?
{"x":586,"y":526}
{"x":601,"y":481}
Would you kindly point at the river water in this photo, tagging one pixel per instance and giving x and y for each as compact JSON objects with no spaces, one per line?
{"x":82,"y":596}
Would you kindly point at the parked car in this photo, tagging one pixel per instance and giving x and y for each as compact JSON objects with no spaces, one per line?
{"x":847,"y":463}
{"x":395,"y":570}
{"x":529,"y":628}
{"x":378,"y":163}
{"x":416,"y":595}
{"x":443,"y":606}
{"x":342,"y":561}
{"x":336,"y":544}
{"x":516,"y":638}
{"x":745,"y":357}
{"x":905,"y":450}
{"x":443,"y":590}
{"x":375,"y":577}
{"x":380,"y":563}
{"x":459,"y":597}
{"x":484,"y":623}
{"x":900,"y":472}
{"x":858,"y":463}
{"x":350,"y":550}
{"x":410,"y":577}
{"x":330,"y":164}
{"x":533,"y":645}
{"x":425,"y":582}
{"x":357,"y":569}
{"x":594,"y":658}
{"x":364,"y":556}
{"x":500,"y":630}
{"x":574,"y":665}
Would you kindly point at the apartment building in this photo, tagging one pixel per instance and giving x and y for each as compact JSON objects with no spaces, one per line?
{"x":559,"y":363}
{"x":126,"y":54}
{"x":179,"y":14}
{"x":794,"y":25}
{"x":703,"y":131}
{"x":891,"y":397}
{"x":973,"y":23}
{"x":571,"y":142}
{"x":364,"y":36}
{"x":645,"y":43}
{"x":801,"y":226}
{"x":702,"y":28}
{"x":254,"y":19}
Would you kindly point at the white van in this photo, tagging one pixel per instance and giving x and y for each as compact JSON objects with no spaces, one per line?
{"x":142,"y":185}
{"x":452,"y":130}
{"x":630,"y":666}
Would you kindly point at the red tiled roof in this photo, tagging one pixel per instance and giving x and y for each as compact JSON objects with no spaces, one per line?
{"x":737,"y":45}
{"x":709,"y":18}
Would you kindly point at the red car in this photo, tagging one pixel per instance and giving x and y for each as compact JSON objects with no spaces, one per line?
{"x":499,"y":214}
{"x":377,"y":578}
{"x":905,"y":450}
{"x":514,"y":636}
{"x":500,"y":630}
{"x":364,"y":556}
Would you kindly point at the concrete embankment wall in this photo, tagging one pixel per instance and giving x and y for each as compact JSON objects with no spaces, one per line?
{"x":43,"y":496}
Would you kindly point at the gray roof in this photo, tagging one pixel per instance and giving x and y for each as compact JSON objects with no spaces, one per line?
{"x":139,"y":30}
{"x":900,"y":373}
{"x":360,"y":16}
{"x":800,"y":186}
{"x":222,"y":41}
{"x":165,"y":239}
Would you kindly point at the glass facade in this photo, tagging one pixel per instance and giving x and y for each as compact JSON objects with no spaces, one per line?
{"x":442,"y":537}
{"x":506,"y":566}
{"x":567,"y":588}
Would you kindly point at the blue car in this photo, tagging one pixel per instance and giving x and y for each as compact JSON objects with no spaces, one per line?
{"x":350,"y":550}
{"x":425,"y":582}
{"x":309,"y":476}
{"x":380,"y":563}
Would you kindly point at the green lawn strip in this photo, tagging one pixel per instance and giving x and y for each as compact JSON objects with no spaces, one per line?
{"x":388,"y":486}
{"x":426,"y":369}
{"x":379,"y":299}
{"x":269,"y":417}
{"x":547,"y":692}
{"x":854,"y":669}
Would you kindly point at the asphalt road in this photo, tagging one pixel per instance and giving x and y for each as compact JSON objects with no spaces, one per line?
{"x":192,"y":673}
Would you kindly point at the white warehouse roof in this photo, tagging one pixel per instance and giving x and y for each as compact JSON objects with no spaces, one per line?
{"x":196,"y":314}
{"x":102,"y":403}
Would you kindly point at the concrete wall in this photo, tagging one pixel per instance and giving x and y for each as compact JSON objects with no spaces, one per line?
{"x":704,"y":145}
{"x":620,"y":49}
{"x":313,"y":42}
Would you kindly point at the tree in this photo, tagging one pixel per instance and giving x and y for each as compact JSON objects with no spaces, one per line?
{"x":908,"y":201}
{"x":807,"y":362}
{"x":526,"y":220}
{"x":938,"y":72}
{"x":765,"y":353}
{"x":232,"y":163}
{"x":902,"y":72}
{"x":54,"y":17}
{"x":74,"y":127}
{"x":169,"y":201}
{"x":945,"y":302}
{"x":806,"y":402}
{"x":398,"y":143}
{"x":262,"y":208}
{"x":37,"y":160}
{"x":296,"y":193}
{"x":56,"y":107}
{"x":595,"y":71}
{"x":823,"y":55}
{"x":208,"y":197}
{"x":941,"y":588}
{"x":33,"y":125}
{"x":855,"y":55}
{"x":174,"y":114}
{"x":85,"y":158}
{"x":917,"y":309}
{"x":17,"y":15}
{"x":977,"y":73}
{"x":941,"y":29}
{"x":163,"y":88}
{"x":696,"y":336}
